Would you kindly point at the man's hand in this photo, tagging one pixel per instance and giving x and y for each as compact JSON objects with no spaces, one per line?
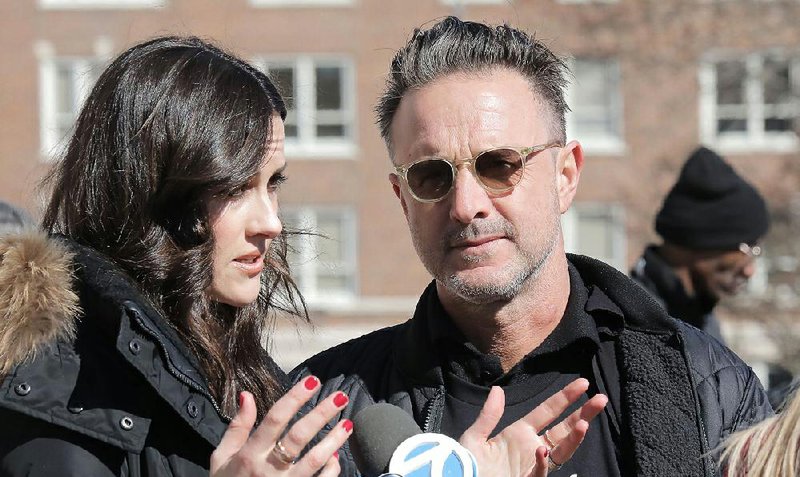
{"x":520,"y":451}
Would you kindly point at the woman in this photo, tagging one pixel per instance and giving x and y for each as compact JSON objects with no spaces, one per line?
{"x":131,"y":336}
{"x":129,"y":342}
{"x":771,"y":448}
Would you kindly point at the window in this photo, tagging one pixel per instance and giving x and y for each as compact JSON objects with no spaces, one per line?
{"x":64,"y":84}
{"x":320,"y":98}
{"x":324,"y":261}
{"x":750,"y":102}
{"x":595,"y":101}
{"x":100,"y":4}
{"x":596,"y":230}
{"x":299,"y":3}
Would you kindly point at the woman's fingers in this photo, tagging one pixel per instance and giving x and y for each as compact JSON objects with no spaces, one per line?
{"x":587,"y":412}
{"x":542,"y":466}
{"x":237,"y":433}
{"x":280,"y":414}
{"x":326,"y":450}
{"x":301,"y":432}
{"x":488,"y":418}
{"x":563,"y":451}
{"x":331,"y":468}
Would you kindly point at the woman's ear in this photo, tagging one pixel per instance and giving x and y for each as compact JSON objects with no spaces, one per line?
{"x":568,"y":170}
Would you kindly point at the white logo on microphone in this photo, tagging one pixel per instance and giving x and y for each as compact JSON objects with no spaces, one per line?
{"x":432,"y":455}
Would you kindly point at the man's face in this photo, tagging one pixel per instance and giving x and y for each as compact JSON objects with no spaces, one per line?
{"x":722,"y":273}
{"x":480,"y":246}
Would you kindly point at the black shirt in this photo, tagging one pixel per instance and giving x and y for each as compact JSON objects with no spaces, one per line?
{"x":589,"y":321}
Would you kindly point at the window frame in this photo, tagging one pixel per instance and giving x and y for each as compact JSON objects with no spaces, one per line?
{"x":308,"y":145}
{"x":310,"y":261}
{"x":600,"y":144}
{"x":80,"y":65}
{"x":755,"y":138}
{"x":618,"y":240}
{"x":100,"y":4}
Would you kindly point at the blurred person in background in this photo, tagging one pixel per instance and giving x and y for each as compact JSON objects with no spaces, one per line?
{"x":131,"y":337}
{"x":711,"y":222}
{"x":13,"y":219}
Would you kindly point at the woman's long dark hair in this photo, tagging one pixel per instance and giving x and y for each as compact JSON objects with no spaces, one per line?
{"x":169,"y":124}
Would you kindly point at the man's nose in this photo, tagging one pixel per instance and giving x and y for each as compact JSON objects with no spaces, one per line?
{"x":469,"y":200}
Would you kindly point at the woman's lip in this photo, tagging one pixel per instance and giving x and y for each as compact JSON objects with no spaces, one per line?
{"x":251,"y":265}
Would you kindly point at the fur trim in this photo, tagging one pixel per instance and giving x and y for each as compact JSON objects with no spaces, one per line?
{"x":37,"y":301}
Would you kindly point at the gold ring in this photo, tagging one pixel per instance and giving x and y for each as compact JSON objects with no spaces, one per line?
{"x":551,"y":464}
{"x":282,"y":454}
{"x":548,"y":441}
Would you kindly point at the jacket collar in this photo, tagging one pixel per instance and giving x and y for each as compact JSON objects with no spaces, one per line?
{"x":49,"y":284}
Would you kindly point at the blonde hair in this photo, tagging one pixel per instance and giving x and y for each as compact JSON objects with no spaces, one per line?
{"x":768,"y":449}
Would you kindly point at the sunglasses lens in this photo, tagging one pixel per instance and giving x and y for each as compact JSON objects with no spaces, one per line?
{"x":431,"y":179}
{"x":499,"y":169}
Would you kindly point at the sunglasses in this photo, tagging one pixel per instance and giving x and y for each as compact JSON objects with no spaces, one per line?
{"x":497,"y":170}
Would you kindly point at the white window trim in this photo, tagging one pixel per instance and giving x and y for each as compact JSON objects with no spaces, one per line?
{"x":309,"y":262}
{"x":755,"y":139}
{"x":300,"y":3}
{"x":569,"y":225}
{"x":599,"y":144}
{"x":49,"y":142}
{"x":100,"y":4}
{"x":325,"y":148}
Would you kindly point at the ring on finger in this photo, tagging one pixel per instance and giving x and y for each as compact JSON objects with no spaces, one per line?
{"x":548,"y":440}
{"x":551,"y":464}
{"x":283,"y":455}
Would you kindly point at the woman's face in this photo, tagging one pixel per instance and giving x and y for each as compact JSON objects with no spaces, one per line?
{"x":244,"y":224}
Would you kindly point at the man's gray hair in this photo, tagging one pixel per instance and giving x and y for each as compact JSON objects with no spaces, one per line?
{"x":456,"y":46}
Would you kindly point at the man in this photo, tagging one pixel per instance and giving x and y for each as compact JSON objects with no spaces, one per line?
{"x":473,"y":117}
{"x":711,"y":223}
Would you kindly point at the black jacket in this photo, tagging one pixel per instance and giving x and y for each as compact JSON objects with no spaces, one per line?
{"x":681,"y":392}
{"x":93,"y":381}
{"x":658,"y":278}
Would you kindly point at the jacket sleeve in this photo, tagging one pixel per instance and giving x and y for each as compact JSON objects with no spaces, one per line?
{"x":33,"y":448}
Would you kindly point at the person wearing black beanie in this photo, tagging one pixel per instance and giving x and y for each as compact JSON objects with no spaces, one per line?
{"x":711,"y":222}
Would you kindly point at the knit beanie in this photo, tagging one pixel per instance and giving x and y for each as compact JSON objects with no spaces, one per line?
{"x":711,"y":207}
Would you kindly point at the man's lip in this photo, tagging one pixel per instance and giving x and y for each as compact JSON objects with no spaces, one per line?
{"x":477,"y":241}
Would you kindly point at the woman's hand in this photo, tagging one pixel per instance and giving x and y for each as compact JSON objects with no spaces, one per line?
{"x":268,"y":452}
{"x":520,"y":450}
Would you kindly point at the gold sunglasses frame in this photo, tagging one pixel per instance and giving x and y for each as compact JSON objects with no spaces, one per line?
{"x":525,"y":154}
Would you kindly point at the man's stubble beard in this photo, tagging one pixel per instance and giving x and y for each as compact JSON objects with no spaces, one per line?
{"x":524,"y":269}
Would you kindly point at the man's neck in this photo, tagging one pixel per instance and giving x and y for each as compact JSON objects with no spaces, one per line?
{"x":512,"y":329}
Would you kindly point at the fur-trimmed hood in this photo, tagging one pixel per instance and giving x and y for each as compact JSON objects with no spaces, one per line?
{"x":38,"y":303}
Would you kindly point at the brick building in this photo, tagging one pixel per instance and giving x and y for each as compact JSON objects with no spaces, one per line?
{"x":653,"y":78}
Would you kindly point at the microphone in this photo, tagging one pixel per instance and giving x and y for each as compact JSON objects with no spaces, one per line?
{"x":386,"y":439}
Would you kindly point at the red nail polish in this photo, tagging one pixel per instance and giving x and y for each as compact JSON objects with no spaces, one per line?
{"x":340,"y":399}
{"x":347,"y":424}
{"x":241,"y":399}
{"x":335,"y":454}
{"x":546,"y":453}
{"x":311,"y":382}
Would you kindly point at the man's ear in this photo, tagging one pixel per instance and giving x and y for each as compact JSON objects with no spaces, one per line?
{"x":395,"y":180}
{"x":568,"y":173}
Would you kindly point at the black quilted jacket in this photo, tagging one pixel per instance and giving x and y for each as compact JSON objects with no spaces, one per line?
{"x":681,"y":392}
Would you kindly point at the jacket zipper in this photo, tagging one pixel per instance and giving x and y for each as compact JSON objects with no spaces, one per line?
{"x":433,"y":408}
{"x":173,"y":370}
